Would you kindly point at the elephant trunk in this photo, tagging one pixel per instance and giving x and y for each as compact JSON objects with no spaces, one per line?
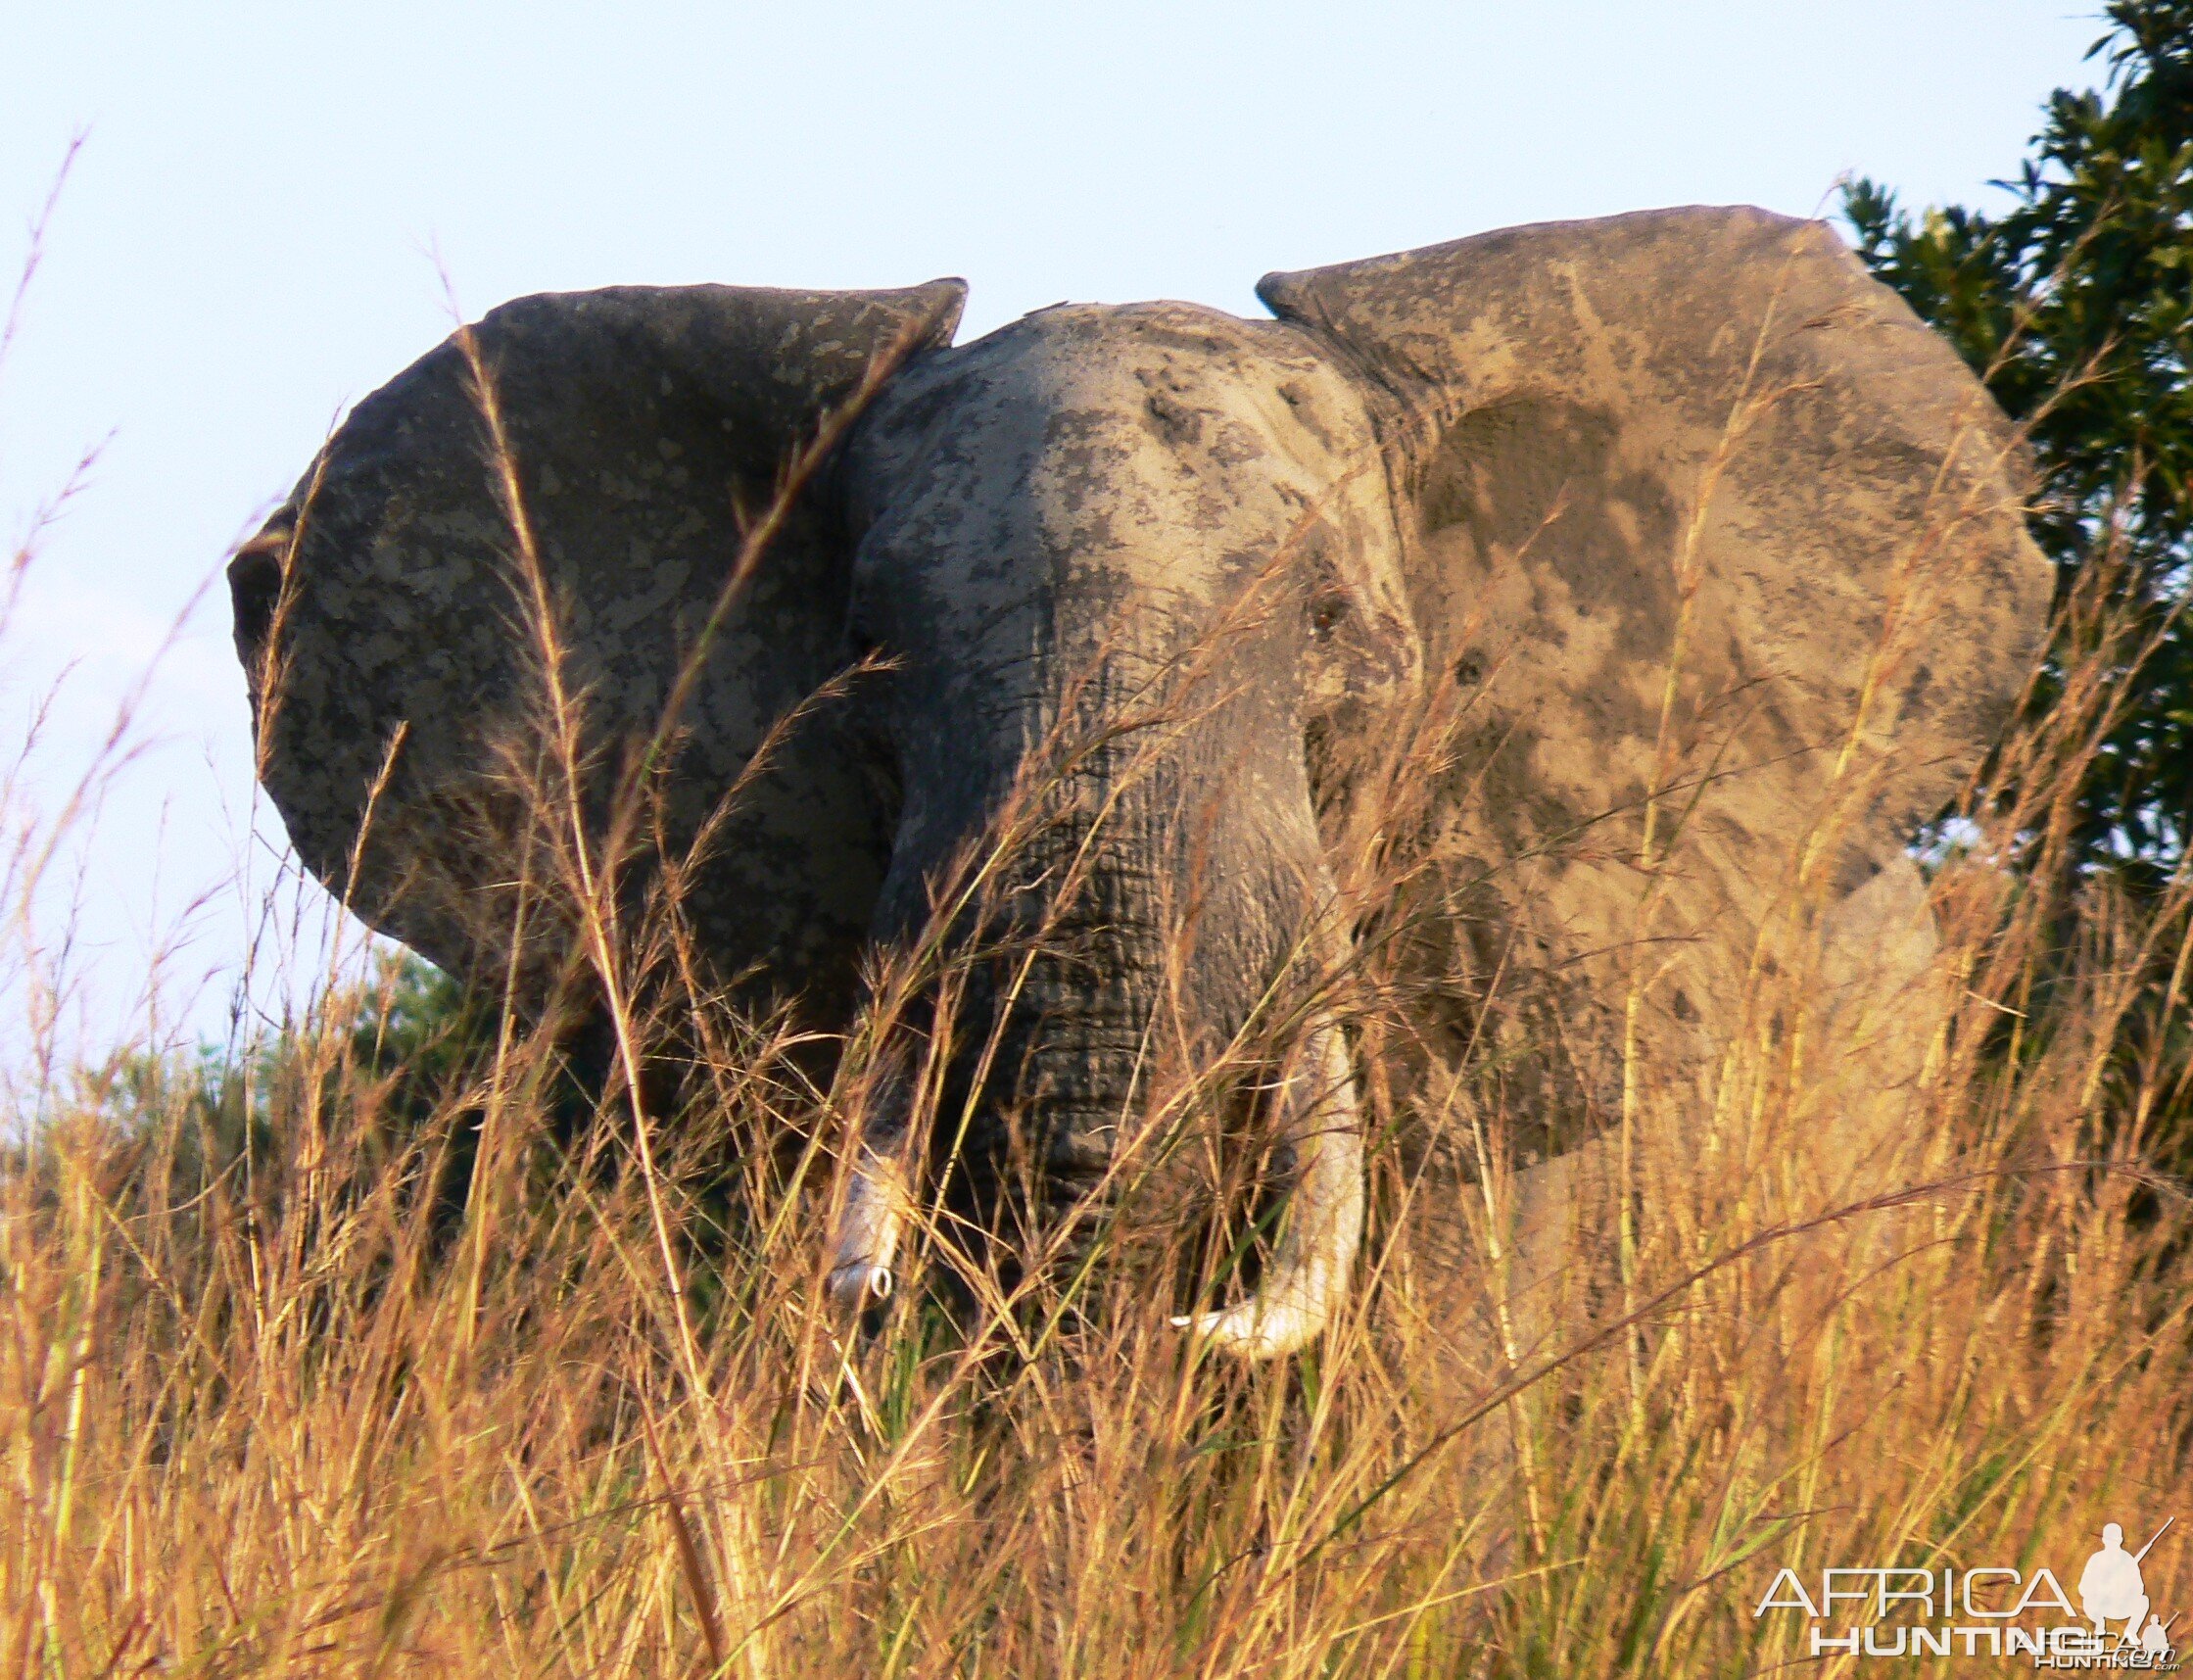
{"x":1066,"y":1023}
{"x":1062,"y":1029}
{"x":1066,"y":1051}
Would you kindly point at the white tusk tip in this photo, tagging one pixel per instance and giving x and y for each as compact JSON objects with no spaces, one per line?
{"x":859,"y":1284}
{"x":1254,"y":1329}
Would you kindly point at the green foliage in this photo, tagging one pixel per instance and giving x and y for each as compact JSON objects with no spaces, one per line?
{"x":420,"y":1030}
{"x":389,"y":1065}
{"x":2076,"y":308}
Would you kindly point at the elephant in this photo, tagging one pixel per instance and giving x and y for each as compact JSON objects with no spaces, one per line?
{"x":1704,"y":549}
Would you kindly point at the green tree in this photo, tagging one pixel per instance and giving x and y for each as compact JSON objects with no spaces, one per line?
{"x":2075,"y":305}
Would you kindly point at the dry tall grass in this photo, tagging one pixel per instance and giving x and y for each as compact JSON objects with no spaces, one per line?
{"x":303,"y":1373}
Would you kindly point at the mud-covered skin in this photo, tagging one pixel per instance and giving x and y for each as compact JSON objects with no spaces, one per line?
{"x":1557,"y":401}
{"x":1515,"y":476}
{"x":1561,"y":397}
{"x":1156,"y":512}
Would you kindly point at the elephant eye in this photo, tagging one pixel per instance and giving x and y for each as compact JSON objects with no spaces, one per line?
{"x":1325,"y":614}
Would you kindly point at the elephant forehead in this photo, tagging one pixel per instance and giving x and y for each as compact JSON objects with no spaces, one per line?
{"x":1149,"y":434}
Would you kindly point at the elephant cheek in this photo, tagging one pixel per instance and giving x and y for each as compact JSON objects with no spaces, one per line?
{"x":1372,"y":660}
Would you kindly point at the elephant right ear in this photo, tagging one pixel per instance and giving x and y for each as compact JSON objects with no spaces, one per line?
{"x":388,"y":619}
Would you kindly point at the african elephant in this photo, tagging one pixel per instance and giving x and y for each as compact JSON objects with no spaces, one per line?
{"x":1709,"y":548}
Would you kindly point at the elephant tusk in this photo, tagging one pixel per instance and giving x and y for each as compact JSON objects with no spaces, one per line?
{"x":1321,"y":1115}
{"x":868,"y":1233}
{"x":874,"y":1217}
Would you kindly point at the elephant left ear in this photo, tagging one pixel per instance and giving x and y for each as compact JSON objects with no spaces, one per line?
{"x":1702,"y":441}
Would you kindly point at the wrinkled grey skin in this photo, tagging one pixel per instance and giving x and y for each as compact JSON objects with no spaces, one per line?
{"x":1526,"y":470}
{"x":1053,"y":520}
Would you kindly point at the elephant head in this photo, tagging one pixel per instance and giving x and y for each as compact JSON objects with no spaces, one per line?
{"x":1665,"y":497}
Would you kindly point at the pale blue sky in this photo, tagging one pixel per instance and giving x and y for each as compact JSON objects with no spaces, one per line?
{"x":246,"y":244}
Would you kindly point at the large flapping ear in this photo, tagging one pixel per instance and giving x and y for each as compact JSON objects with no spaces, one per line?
{"x":389,"y":619}
{"x":1722,"y":548}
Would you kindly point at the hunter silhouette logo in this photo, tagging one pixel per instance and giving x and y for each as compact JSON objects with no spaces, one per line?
{"x":1988,"y":1611}
{"x":2110,"y":1588}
